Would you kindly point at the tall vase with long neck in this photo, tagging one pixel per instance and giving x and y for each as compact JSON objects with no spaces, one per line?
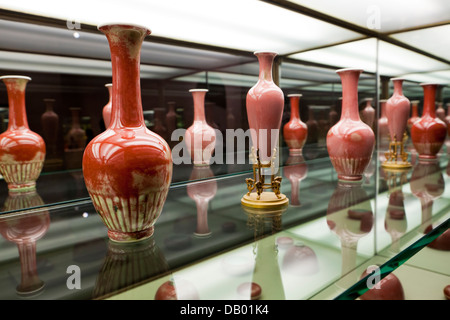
{"x":50,"y":124}
{"x":295,"y":131}
{"x":76,"y":137}
{"x":350,"y":142}
{"x":106,"y":112}
{"x":22,"y":151}
{"x":265,"y":104}
{"x":368,"y":113}
{"x":200,"y":137}
{"x":440,"y":111}
{"x":429,"y":132}
{"x":397,"y":111}
{"x":127,"y":168}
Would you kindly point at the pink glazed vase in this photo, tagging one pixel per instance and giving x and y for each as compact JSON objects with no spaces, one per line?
{"x":295,"y":131}
{"x":22,"y":151}
{"x":350,"y":142}
{"x":429,"y":132}
{"x":383,"y":129}
{"x":127,"y":168}
{"x":368,"y":113}
{"x":200,"y":137}
{"x":265,"y":104}
{"x":397,"y":111}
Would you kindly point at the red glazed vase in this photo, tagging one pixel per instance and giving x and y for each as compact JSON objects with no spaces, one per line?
{"x":200,"y":137}
{"x":414,"y":115}
{"x":265,"y":104}
{"x":127,"y":168}
{"x":440,"y":111}
{"x":106,"y":112}
{"x":368,"y":113}
{"x":350,"y":142}
{"x":397,"y":111}
{"x":383,"y":129}
{"x":22,"y":151}
{"x":295,"y":131}
{"x":202,"y":190}
{"x":429,"y":132}
{"x":50,"y":124}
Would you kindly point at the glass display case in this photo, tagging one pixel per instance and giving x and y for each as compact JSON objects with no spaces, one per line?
{"x":206,"y":245}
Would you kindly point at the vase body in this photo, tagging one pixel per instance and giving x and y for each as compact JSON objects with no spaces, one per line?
{"x":106,"y":112}
{"x":127,"y":168}
{"x":76,"y":137}
{"x":295,"y":131}
{"x":429,"y":132}
{"x":397,"y":112}
{"x":440,"y":111}
{"x":350,"y":142}
{"x":383,"y":129}
{"x":368,"y":113}
{"x":414,"y":115}
{"x":50,"y":124}
{"x":265,"y":104}
{"x":200,"y":137}
{"x":22,"y":151}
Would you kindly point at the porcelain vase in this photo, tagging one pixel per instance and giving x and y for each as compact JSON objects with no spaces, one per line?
{"x":383,"y":129}
{"x":106,"y":111}
{"x":265,"y":104}
{"x":295,"y":132}
{"x":22,"y":151}
{"x":76,"y":137}
{"x":50,"y":126}
{"x":429,"y":132}
{"x":414,"y":115}
{"x":368,"y":113}
{"x":397,"y":111}
{"x":200,"y":137}
{"x":127,"y":168}
{"x":295,"y":170}
{"x":350,"y":142}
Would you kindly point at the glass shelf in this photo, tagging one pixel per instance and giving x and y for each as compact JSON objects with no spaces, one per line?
{"x":318,"y":247}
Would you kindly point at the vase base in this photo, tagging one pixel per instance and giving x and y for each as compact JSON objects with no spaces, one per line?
{"x":266,"y":200}
{"x":127,"y":237}
{"x":295,"y":152}
{"x":22,"y":187}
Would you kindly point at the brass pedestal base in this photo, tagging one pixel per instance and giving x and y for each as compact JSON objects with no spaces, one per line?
{"x":396,"y":166}
{"x":266,"y":200}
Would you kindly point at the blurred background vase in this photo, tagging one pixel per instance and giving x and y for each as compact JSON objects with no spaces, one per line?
{"x":397,"y":111}
{"x":50,"y":125}
{"x":295,"y":132}
{"x":106,"y":112}
{"x":429,"y":132}
{"x":295,"y":170}
{"x":200,"y":137}
{"x":350,"y":142}
{"x":368,"y":113}
{"x":22,"y":151}
{"x":383,"y":129}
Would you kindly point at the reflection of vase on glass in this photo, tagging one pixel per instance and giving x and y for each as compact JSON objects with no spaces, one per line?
{"x":350,"y":217}
{"x":106,"y":111}
{"x":50,"y":125}
{"x":127,"y":168}
{"x":295,"y":131}
{"x":202,"y":192}
{"x":76,"y":137}
{"x":383,"y":129}
{"x":25,"y":230}
{"x":350,"y":142}
{"x":22,"y":151}
{"x":126,"y":265}
{"x":295,"y":170}
{"x":200,"y":137}
{"x":429,"y":132}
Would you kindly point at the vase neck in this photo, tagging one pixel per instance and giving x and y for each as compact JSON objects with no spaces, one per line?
{"x":48,"y":105}
{"x":75,"y":118}
{"x":429,"y":93}
{"x":265,"y":60}
{"x":125,"y":44}
{"x":398,"y":87}
{"x":15,"y":88}
{"x":349,"y":79}
{"x":415,"y":110}
{"x":199,"y":104}
{"x":295,"y":114}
